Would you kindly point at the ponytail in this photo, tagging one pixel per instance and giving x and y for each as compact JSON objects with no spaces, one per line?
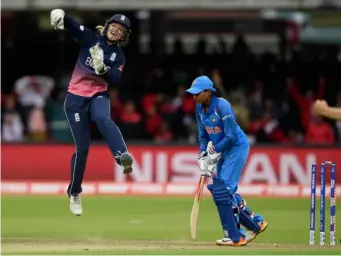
{"x":100,"y":29}
{"x":217,"y":93}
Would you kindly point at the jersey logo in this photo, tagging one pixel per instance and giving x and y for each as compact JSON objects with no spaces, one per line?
{"x":77,"y":117}
{"x":113,"y":56}
{"x":88,"y":62}
{"x":227,"y":116}
{"x":213,"y":130}
{"x":81,"y":27}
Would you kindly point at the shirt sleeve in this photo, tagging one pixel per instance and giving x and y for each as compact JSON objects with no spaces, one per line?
{"x":202,"y":134}
{"x":83,"y":34}
{"x":114,"y":73}
{"x":229,"y":126}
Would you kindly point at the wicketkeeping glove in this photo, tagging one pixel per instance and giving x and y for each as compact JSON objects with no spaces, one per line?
{"x":97,"y":56}
{"x":57,"y":18}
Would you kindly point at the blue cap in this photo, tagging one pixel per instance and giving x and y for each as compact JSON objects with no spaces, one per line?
{"x":200,"y":84}
{"x":121,"y":19}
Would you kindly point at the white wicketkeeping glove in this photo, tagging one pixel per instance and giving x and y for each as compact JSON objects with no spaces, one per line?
{"x":97,"y":56}
{"x":57,"y":18}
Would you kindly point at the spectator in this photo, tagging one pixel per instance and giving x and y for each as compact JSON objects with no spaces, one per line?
{"x":116,"y":104}
{"x":164,"y":134}
{"x":130,"y":122}
{"x":37,"y":126}
{"x":12,"y":128}
{"x":33,"y":90}
{"x":12,"y":124}
{"x":255,"y":101}
{"x":306,"y":101}
{"x":241,"y":112}
{"x":153,"y":121}
{"x":218,"y":82}
{"x":319,"y":132}
{"x":59,"y":130}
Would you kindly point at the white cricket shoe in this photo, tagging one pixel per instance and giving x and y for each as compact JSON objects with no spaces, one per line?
{"x":76,"y":205}
{"x":226,"y":241}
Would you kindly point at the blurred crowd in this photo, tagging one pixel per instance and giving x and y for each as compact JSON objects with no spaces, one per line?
{"x":271,"y":96}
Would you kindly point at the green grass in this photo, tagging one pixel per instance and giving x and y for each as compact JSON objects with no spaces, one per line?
{"x":146,"y":225}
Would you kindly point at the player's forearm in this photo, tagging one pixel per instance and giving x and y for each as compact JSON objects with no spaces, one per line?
{"x":83,"y":34}
{"x":203,"y":144}
{"x":223,"y":144}
{"x":332,"y":112}
{"x":230,"y":132}
{"x":202,"y":134}
{"x":71,"y":24}
{"x":203,"y":139}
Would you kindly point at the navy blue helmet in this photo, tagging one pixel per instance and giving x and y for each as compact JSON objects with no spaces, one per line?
{"x":124,"y":21}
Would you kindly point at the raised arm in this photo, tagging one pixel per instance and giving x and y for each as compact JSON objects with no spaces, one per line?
{"x":61,"y":21}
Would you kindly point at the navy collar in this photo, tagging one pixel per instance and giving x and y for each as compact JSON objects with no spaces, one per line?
{"x":213,"y":104}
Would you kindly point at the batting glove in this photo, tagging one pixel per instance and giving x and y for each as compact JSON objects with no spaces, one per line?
{"x":211,"y":167}
{"x":97,"y":56}
{"x":57,"y":19}
{"x":212,"y":156}
{"x":203,"y":164}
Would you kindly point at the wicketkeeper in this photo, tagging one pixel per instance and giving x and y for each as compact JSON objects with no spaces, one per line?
{"x":100,"y":63}
{"x":227,"y":154}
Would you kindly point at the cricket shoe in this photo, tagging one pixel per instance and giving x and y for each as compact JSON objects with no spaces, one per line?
{"x":76,"y":205}
{"x":126,"y":161}
{"x":250,"y":235}
{"x":226,"y":241}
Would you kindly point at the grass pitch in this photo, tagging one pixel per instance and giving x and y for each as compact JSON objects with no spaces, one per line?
{"x":149,"y":225}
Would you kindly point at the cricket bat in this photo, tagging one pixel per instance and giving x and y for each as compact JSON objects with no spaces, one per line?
{"x":195,"y":208}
